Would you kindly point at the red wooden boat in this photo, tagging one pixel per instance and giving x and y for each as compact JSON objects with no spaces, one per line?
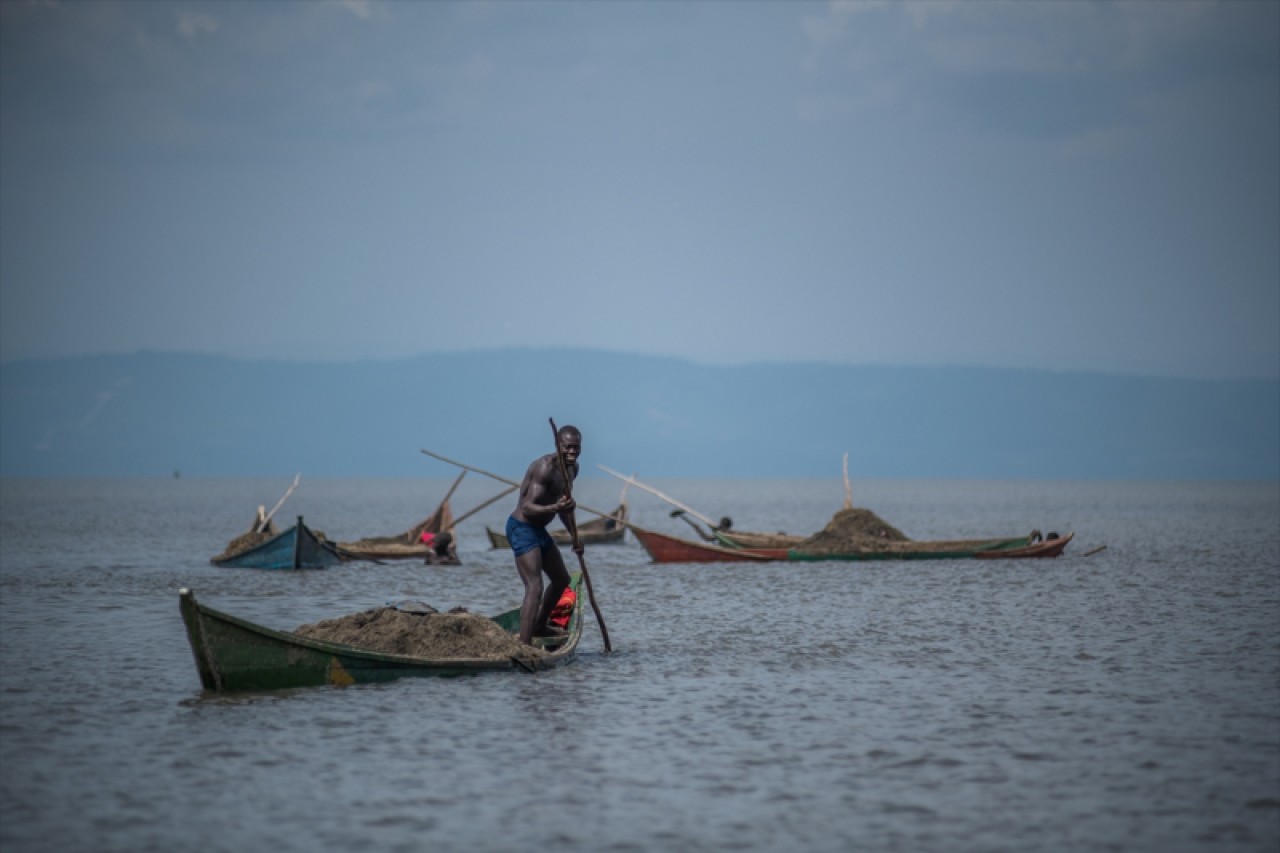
{"x":672,"y":549}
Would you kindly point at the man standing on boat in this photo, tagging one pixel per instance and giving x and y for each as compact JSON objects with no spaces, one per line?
{"x":543,"y":496}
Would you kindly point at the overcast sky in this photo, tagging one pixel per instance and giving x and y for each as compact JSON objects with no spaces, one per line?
{"x":1071,"y":186}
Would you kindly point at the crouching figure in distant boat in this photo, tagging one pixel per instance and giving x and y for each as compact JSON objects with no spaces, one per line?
{"x":440,"y":550}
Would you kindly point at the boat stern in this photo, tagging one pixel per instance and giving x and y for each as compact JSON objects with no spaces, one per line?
{"x":195,"y":636}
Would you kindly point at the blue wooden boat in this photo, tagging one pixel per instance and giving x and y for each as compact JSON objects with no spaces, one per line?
{"x":299,"y":547}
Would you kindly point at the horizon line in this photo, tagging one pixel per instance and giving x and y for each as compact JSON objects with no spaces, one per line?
{"x":7,"y":360}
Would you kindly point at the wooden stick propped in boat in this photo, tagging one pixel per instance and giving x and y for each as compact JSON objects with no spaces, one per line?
{"x":452,"y":489}
{"x":474,"y":510}
{"x":848,"y":490}
{"x":262,"y":525}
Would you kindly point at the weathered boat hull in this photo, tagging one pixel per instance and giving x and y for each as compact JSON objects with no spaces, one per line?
{"x":296,"y":548}
{"x":599,"y":531}
{"x":403,"y":546}
{"x":233,"y":654}
{"x":948,"y":550}
{"x":561,"y":537}
{"x":388,"y":551}
{"x":671,"y":549}
{"x":1047,"y":548}
{"x":750,"y":539}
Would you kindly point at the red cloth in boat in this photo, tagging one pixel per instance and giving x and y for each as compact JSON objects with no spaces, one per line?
{"x":564,"y":608}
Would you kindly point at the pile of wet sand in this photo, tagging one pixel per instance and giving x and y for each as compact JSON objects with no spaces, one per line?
{"x":853,"y":530}
{"x":457,"y":634}
{"x":246,"y":541}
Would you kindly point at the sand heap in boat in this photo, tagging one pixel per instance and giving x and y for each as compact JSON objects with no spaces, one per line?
{"x":246,"y":541}
{"x":852,"y":530}
{"x":457,"y":634}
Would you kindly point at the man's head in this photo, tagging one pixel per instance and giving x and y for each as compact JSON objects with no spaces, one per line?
{"x":570,"y":440}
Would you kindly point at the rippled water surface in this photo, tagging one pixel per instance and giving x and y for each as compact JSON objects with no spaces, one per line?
{"x":1128,"y":700}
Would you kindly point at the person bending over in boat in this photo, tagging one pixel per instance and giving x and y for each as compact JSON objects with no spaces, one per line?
{"x":441,"y":551}
{"x":725,"y":524}
{"x":543,"y":496}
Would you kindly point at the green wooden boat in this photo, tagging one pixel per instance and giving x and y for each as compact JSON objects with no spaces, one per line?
{"x":663,"y":548}
{"x":234,"y":654}
{"x":1021,"y":547}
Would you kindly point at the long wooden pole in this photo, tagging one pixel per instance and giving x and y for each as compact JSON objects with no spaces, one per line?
{"x":262,"y":525}
{"x":438,"y":516}
{"x":848,"y":490}
{"x":452,"y":489}
{"x":501,"y":479}
{"x":633,"y":481}
{"x":473,"y":511}
{"x":577,"y":544}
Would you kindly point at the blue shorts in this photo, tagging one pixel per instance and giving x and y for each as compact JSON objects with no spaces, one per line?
{"x":524,"y":537}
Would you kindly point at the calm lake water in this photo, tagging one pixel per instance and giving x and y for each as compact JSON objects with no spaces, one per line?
{"x":1128,"y":700}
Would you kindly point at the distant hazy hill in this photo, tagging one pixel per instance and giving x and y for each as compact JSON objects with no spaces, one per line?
{"x":150,"y":414}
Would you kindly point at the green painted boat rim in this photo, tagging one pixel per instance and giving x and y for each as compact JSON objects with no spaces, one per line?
{"x":188,"y":600}
{"x":993,"y":545}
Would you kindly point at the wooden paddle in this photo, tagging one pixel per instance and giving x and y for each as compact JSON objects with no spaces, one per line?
{"x":572,"y":524}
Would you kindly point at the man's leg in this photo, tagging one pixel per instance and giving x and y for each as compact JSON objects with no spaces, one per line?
{"x":558,"y":575}
{"x":529,"y":565}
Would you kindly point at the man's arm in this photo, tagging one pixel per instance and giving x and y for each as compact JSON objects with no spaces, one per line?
{"x":566,"y":505}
